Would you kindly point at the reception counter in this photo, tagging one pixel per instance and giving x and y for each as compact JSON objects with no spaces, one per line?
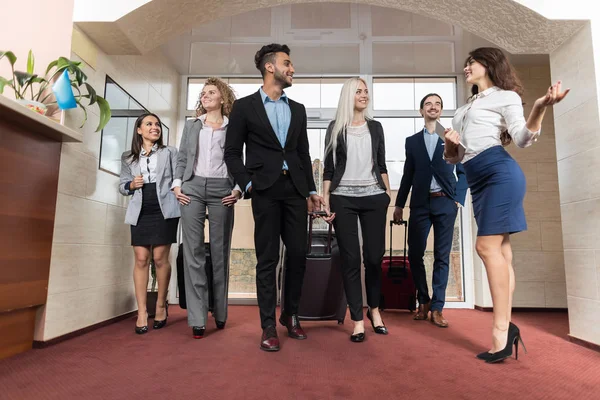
{"x":30,"y":148}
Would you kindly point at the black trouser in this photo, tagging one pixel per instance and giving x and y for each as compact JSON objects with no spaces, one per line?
{"x":372,"y":212}
{"x":279,"y":211}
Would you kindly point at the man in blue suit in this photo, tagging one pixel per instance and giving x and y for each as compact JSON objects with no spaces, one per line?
{"x":438,"y":190}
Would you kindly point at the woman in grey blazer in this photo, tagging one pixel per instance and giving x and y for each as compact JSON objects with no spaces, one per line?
{"x":153,"y":212}
{"x":202,"y":182}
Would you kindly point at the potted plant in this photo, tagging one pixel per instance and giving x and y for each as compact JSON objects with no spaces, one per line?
{"x":33,"y":90}
{"x":152,"y":294}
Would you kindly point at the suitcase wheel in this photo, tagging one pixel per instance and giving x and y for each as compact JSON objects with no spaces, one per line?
{"x":340,"y":322}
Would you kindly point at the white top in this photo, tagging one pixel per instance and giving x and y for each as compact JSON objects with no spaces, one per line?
{"x":210,"y":161}
{"x":359,"y":178}
{"x":148,"y":164}
{"x":481,"y":121}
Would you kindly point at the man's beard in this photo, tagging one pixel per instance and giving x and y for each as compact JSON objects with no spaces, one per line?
{"x":281,"y":79}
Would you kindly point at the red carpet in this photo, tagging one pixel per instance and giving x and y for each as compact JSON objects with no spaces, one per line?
{"x":416,"y":361}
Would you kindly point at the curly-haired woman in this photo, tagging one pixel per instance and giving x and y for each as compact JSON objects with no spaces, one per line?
{"x":203,"y":182}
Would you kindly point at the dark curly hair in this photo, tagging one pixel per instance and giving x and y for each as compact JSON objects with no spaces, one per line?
{"x":227,"y":95}
{"x":500,"y":72}
{"x":267,"y":54}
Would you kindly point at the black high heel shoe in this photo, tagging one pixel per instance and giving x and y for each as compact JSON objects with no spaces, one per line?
{"x":514,"y":337}
{"x":382,"y":330}
{"x":486,"y":354}
{"x":140,"y":330}
{"x":357,"y":337}
{"x":161,"y":323}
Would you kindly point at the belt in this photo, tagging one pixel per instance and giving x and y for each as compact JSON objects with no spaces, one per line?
{"x":437,"y":194}
{"x":284,"y":172}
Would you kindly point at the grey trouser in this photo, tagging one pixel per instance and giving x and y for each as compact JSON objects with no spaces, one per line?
{"x":206,"y":193}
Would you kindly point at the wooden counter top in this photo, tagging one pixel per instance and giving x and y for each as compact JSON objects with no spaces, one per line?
{"x":14,"y":112}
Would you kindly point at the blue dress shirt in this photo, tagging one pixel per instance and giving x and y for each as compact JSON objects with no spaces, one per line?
{"x":431,"y":140}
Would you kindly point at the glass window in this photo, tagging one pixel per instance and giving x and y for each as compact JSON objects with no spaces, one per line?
{"x":306,"y":91}
{"x":406,"y":94}
{"x":316,"y":142}
{"x":194,"y":88}
{"x":330,"y":92}
{"x":445,"y":87}
{"x":244,"y":87}
{"x":117,"y":134}
{"x":393,"y":94}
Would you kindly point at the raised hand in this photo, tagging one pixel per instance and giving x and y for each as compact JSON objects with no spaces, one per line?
{"x":553,"y":95}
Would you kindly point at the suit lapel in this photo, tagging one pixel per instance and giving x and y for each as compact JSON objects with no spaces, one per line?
{"x":259,"y":107}
{"x":194,"y":137}
{"x":439,"y":148}
{"x":373,"y":139}
{"x":161,"y":160}
{"x":421,"y":144}
{"x":135,"y":168}
{"x":294,"y":116}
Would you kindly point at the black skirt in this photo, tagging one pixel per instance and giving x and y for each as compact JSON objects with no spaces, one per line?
{"x":152,"y":228}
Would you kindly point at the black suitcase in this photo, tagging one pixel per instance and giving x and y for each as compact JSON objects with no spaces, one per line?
{"x":181,"y":278}
{"x":323,"y":297}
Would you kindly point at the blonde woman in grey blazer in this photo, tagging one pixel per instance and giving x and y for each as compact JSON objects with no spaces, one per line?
{"x":153,"y":212}
{"x":203,"y":182}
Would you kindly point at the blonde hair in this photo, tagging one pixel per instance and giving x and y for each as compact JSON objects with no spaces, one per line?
{"x":227,"y":95}
{"x":345,"y":112}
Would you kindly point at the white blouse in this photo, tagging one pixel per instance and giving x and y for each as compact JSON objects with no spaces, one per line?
{"x":358,"y":179}
{"x":148,"y":164}
{"x":481,"y":121}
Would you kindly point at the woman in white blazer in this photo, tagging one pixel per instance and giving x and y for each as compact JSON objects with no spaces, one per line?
{"x":153,"y":212}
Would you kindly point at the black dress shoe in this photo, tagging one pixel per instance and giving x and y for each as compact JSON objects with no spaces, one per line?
{"x":382,"y":330}
{"x":140,"y":330}
{"x":357,"y":337}
{"x":220,"y":324}
{"x":198,"y":332}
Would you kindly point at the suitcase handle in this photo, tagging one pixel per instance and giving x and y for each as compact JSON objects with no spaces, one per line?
{"x":310,"y":230}
{"x":392,"y":223}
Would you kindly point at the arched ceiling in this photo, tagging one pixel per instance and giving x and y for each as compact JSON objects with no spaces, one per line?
{"x":507,"y":24}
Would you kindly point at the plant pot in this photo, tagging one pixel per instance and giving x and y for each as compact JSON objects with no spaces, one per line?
{"x":151,"y":298}
{"x":34,"y":106}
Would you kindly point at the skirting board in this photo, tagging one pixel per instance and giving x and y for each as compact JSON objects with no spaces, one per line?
{"x":39,"y":344}
{"x":584,"y":343}
{"x":525,"y":309}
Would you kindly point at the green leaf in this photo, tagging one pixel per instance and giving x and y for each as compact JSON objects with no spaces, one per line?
{"x":105,"y":113}
{"x":30,"y":62}
{"x":85,"y":116}
{"x":51,"y":65}
{"x":92,"y":92}
{"x":10,"y":55}
{"x":5,"y":82}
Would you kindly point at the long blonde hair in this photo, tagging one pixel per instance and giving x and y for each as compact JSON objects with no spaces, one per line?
{"x":345,"y":112}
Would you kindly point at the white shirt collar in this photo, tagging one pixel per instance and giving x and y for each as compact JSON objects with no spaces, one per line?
{"x":202,"y":118}
{"x":153,"y":150}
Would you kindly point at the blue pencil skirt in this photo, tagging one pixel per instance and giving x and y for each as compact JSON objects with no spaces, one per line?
{"x":497,"y":186}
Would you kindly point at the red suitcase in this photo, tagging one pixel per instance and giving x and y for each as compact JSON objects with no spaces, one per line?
{"x":398,"y":290}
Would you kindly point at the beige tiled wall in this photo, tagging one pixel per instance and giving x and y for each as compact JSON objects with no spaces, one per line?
{"x":92,"y":260}
{"x":578,"y":142}
{"x":538,"y":252}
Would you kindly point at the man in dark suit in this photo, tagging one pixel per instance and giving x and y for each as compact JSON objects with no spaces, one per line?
{"x":278,"y":177}
{"x":438,"y":189}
